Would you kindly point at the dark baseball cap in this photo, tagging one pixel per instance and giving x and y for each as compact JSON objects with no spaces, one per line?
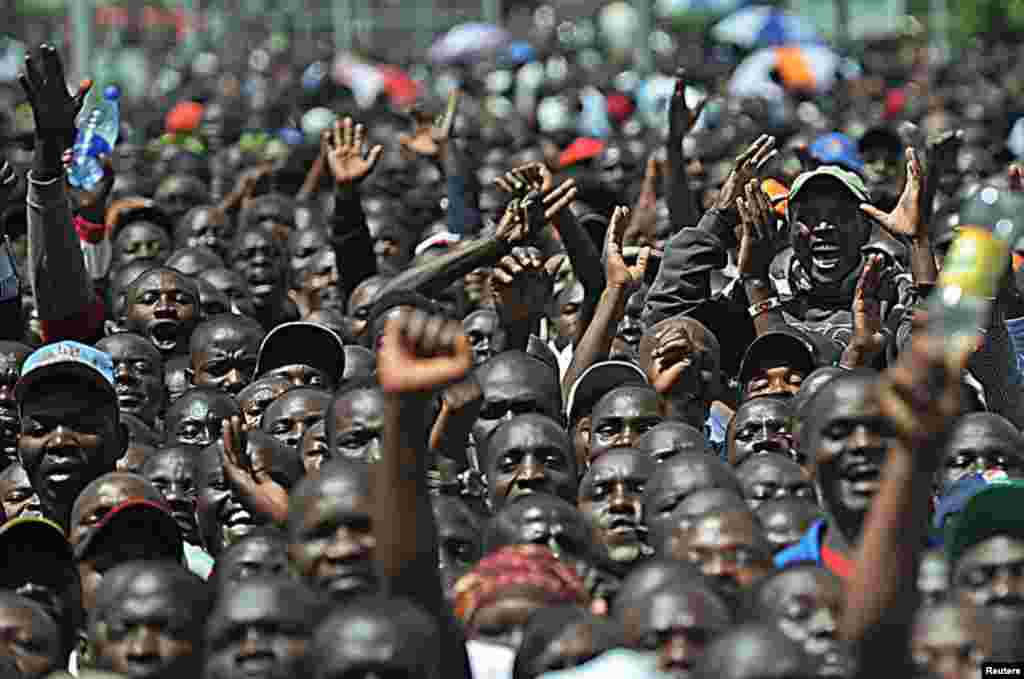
{"x":598,"y":380}
{"x":134,"y":529}
{"x":788,"y":344}
{"x":39,"y":532}
{"x":302,"y":342}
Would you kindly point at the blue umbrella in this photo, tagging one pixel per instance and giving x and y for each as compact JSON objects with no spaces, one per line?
{"x":764,"y":26}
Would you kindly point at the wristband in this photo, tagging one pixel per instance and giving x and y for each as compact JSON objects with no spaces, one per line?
{"x":759,"y":308}
{"x":756,"y":279}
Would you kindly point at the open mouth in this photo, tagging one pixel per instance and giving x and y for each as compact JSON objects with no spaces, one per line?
{"x":261,"y":282}
{"x":349,"y":580}
{"x":825,"y":255}
{"x":238,"y":518}
{"x":622,"y":526}
{"x":164,"y":334}
{"x":863,"y":478}
{"x":62,"y":472}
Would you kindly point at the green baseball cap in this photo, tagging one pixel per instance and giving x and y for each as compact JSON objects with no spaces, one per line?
{"x":853,"y":183}
{"x":993,"y":511}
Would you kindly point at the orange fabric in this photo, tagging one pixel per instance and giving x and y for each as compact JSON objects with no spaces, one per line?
{"x":184,"y":117}
{"x":794,"y":69}
{"x":580,"y":150}
{"x":777,"y":194}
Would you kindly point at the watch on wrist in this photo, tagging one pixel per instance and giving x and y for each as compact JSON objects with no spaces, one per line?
{"x":764,"y":306}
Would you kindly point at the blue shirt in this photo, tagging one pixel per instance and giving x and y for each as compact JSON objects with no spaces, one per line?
{"x":807,"y":549}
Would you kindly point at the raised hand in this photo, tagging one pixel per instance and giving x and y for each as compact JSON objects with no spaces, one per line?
{"x":905,"y":221}
{"x":522,"y":217}
{"x":616,"y":272}
{"x":521,"y":286}
{"x":682,"y":118}
{"x":868,"y":337}
{"x":642,"y":229}
{"x":535,"y":176}
{"x":759,"y":236}
{"x":235,"y":457}
{"x":256,"y":489}
{"x":559,"y":198}
{"x":420,"y":353}
{"x":747,"y":167}
{"x":95,"y":199}
{"x":430,"y":138}
{"x":53,"y":107}
{"x":672,"y":357}
{"x":460,"y":406}
{"x":347,"y":160}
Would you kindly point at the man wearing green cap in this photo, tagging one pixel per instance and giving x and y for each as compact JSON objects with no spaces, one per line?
{"x":987,"y":551}
{"x":827,"y":228}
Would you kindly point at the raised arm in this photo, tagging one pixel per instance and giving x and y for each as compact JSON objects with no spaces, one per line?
{"x":684,"y":278}
{"x":65,"y":299}
{"x":350,"y":163}
{"x":683,"y":209}
{"x":906,"y":223}
{"x":622,"y":282}
{"x":584,"y":258}
{"x":435,"y":141}
{"x":921,"y":397}
{"x":432,"y":277}
{"x":418,"y":355}
{"x":760,"y":241}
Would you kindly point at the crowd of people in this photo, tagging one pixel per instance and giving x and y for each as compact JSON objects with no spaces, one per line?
{"x":475,"y":398}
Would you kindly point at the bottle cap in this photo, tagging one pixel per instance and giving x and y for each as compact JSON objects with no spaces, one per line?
{"x":112,"y":92}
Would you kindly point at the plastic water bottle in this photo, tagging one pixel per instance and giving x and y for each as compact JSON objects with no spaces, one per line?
{"x":96,"y":137}
{"x":992,"y":225}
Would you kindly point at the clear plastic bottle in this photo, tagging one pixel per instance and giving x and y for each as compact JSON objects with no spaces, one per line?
{"x":992,"y":224}
{"x":97,"y":135}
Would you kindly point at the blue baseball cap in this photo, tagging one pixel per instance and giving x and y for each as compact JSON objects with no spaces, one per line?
{"x":836,"y":148}
{"x":73,"y":359}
